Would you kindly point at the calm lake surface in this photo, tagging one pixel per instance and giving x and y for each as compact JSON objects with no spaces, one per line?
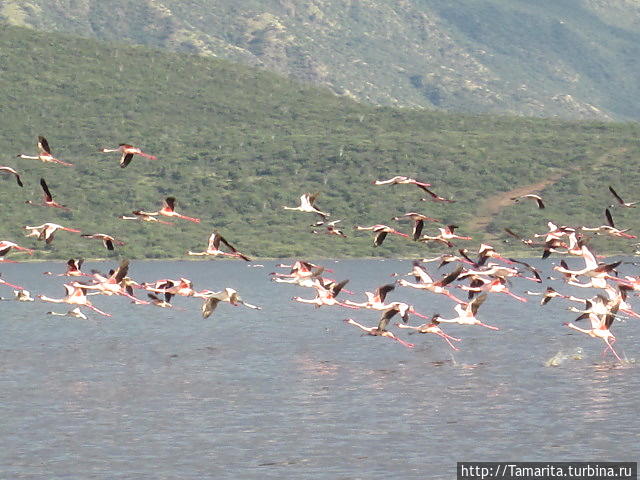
{"x":292,"y":391}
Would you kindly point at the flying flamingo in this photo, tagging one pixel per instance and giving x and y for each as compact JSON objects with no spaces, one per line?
{"x":6,"y":247}
{"x":73,"y":269}
{"x":330,"y":228}
{"x":609,"y":228}
{"x":401,"y":180}
{"x":46,"y":231}
{"x":113,"y":284}
{"x":536,"y":198}
{"x":11,"y":171}
{"x":381,"y":329}
{"x":467,"y":314}
{"x":44,"y":154}
{"x":446,"y":235}
{"x":107,"y":240}
{"x":229,"y":295}
{"x":621,"y":202}
{"x":145,"y":217}
{"x":168,"y":210}
{"x":600,"y":325}
{"x":375,"y":300}
{"x":307,"y":204}
{"x":213,"y":248}
{"x":158,"y":302}
{"x":431,"y":327}
{"x":48,"y":198}
{"x":418,"y":222}
{"x":380,"y":232}
{"x":76,"y":295}
{"x":326,"y":295}
{"x":128,"y":151}
{"x":425,"y":282}
{"x":23,"y":296}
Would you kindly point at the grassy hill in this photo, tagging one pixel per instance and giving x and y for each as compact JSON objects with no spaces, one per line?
{"x":235,"y":144}
{"x":574,"y":59}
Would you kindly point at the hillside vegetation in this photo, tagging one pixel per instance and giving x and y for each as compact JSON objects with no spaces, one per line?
{"x":235,"y":144}
{"x":574,"y":59}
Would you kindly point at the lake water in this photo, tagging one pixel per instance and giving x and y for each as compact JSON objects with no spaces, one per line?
{"x":292,"y":391}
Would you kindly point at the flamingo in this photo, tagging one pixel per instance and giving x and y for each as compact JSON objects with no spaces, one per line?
{"x":46,"y":231}
{"x":401,"y":180}
{"x":326,"y":295}
{"x":380,"y":233}
{"x":432,"y":327}
{"x":600,"y":326}
{"x":375,"y":300}
{"x":467,"y":314}
{"x":213,"y":248}
{"x":621,"y":202}
{"x":76,"y":295}
{"x":307,"y":204}
{"x":145,"y":217}
{"x":425,"y":282}
{"x":6,"y":247}
{"x":113,"y":284}
{"x":446,"y":235}
{"x":330,"y":229}
{"x":549,"y":294}
{"x":127,"y":151}
{"x":536,"y":198}
{"x":446,"y":258}
{"x":73,"y":268}
{"x":487,"y":251}
{"x":497,"y":285}
{"x":44,"y":154}
{"x":229,"y":295}
{"x":609,"y":228}
{"x":107,"y":240}
{"x":9,"y":170}
{"x":48,"y":198}
{"x":168,"y":210}
{"x":23,"y":295}
{"x":158,"y":302}
{"x":381,"y":329}
{"x":418,"y":222}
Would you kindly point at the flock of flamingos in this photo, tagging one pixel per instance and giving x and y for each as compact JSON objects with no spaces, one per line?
{"x":474,"y":273}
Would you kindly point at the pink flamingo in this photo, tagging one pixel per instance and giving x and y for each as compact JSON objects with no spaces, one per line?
{"x":213,"y":248}
{"x":46,"y":231}
{"x":128,"y":151}
{"x":168,"y":210}
{"x":48,"y":198}
{"x":381,"y":329}
{"x":44,"y":154}
{"x":76,"y":295}
{"x":380,"y":232}
{"x":434,"y":328}
{"x":600,"y":327}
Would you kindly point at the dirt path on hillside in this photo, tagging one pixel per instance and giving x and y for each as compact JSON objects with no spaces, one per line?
{"x":495,"y":203}
{"x":491,"y":206}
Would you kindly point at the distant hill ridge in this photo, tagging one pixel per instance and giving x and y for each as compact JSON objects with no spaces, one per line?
{"x":574,"y":59}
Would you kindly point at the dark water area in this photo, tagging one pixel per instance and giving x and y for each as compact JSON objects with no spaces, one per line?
{"x":291,"y":391}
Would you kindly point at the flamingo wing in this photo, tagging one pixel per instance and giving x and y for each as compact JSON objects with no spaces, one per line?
{"x":125,"y":159}
{"x":43,"y":145}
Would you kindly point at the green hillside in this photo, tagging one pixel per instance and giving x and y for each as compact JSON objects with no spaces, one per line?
{"x":235,"y":144}
{"x":574,"y":59}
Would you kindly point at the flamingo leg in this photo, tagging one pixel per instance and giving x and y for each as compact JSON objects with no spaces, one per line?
{"x":97,"y":310}
{"x":488,"y":326}
{"x":447,"y":340}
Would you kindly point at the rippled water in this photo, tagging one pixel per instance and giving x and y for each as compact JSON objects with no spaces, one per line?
{"x":293,"y":392}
